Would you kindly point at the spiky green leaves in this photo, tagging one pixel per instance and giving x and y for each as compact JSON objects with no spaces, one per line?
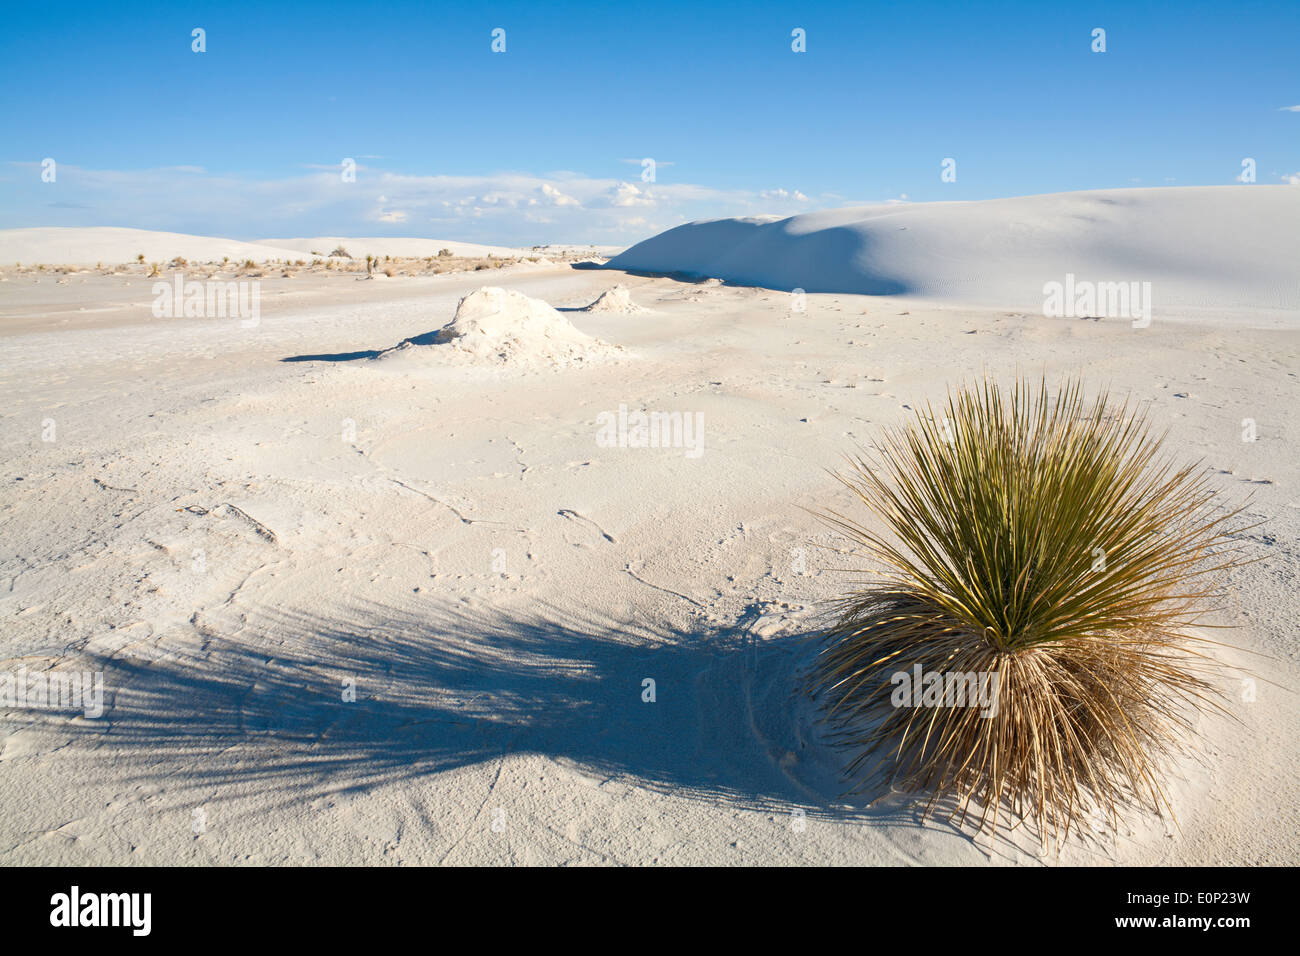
{"x":1043,"y":537}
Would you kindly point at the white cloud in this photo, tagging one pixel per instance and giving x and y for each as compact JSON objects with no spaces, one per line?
{"x":1290,"y":109}
{"x":625,"y":194}
{"x":556,"y":197}
{"x":502,"y":207}
{"x":1292,"y":180}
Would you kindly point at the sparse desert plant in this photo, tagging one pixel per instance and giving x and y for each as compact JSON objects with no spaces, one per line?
{"x":1047,"y":541}
{"x":154,"y":272}
{"x":341,"y":253}
{"x":444,"y":253}
{"x":177,"y":262}
{"x":225,"y":259}
{"x":139,"y":258}
{"x":249,"y":264}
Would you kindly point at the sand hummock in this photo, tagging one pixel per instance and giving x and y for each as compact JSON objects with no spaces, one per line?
{"x":501,"y":326}
{"x":616,"y":300}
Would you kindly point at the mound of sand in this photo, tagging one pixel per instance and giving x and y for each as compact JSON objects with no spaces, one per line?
{"x":360,"y":247}
{"x":1209,"y":247}
{"x":111,"y":245}
{"x":617,"y":299}
{"x":501,"y":326}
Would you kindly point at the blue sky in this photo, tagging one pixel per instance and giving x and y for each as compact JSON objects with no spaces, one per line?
{"x":543,"y":143}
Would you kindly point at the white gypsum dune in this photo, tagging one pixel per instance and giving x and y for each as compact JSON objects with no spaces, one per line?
{"x":111,"y":245}
{"x":1205,"y":247}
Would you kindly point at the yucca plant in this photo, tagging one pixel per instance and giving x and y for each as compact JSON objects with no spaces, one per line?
{"x":1042,"y":540}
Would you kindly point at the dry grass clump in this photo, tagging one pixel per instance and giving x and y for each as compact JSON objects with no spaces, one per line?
{"x":1045,"y":541}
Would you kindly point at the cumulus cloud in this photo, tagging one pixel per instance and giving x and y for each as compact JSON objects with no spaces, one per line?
{"x":499,"y":208}
{"x":556,"y":197}
{"x":625,"y":194}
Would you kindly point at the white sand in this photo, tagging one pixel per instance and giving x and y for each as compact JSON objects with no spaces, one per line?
{"x":617,"y":300}
{"x":233,"y":538}
{"x":111,"y":246}
{"x":498,"y":326}
{"x":360,"y":248}
{"x":1202,"y":248}
{"x":62,"y":246}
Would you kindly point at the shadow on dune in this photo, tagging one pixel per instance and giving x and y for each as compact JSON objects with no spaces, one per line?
{"x":261,"y":710}
{"x":425,"y":338}
{"x":770,"y":255}
{"x":333,"y":357}
{"x":264,"y":706}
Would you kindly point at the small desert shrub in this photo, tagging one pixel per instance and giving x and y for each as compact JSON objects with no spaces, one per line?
{"x":444,"y":253}
{"x":1045,"y":540}
{"x":139,"y":257}
{"x":341,"y":253}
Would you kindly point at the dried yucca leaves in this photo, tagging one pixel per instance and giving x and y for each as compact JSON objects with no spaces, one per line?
{"x":1042,"y":540}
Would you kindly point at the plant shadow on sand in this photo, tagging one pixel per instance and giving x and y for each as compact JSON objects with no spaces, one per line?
{"x":259,"y":708}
